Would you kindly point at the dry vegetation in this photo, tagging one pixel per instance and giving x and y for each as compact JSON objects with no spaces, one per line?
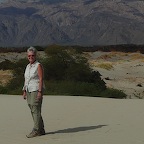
{"x":109,"y":59}
{"x":137,"y":56}
{"x":104,"y":65}
{"x":5,"y":77}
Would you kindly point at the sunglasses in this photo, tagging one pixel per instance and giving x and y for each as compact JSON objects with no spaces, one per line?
{"x":31,"y":55}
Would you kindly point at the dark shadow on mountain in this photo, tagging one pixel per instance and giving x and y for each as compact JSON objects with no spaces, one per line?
{"x":18,"y":11}
{"x":77,"y":129}
{"x":54,"y":1}
{"x":88,"y":2}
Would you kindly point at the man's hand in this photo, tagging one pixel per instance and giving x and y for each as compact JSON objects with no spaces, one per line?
{"x":24,"y":95}
{"x":39,"y":96}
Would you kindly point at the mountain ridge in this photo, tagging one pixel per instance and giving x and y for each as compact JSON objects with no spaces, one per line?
{"x":75,"y":22}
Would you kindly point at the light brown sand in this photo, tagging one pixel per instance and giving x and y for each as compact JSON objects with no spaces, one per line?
{"x":74,"y":120}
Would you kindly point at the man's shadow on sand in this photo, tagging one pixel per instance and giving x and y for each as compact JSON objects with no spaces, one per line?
{"x":76,"y":129}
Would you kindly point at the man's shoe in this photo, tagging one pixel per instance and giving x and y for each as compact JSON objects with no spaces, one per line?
{"x":34,"y":133}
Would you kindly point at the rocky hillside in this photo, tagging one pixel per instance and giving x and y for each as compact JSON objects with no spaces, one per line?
{"x":76,"y":22}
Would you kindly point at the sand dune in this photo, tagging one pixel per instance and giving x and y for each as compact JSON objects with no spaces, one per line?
{"x":74,"y":120}
{"x":123,"y":71}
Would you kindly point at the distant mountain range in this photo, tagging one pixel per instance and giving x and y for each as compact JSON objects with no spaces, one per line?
{"x":71,"y":22}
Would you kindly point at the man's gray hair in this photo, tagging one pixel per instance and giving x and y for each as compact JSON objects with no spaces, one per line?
{"x":32,"y":49}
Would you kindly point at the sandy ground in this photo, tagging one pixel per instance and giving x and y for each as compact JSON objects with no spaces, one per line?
{"x":74,"y":120}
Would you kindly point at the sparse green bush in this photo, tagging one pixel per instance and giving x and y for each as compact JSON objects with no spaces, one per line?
{"x":16,"y":84}
{"x":3,"y":90}
{"x":67,"y":64}
{"x":19,"y":67}
{"x":113,"y":93}
{"x":6,"y":65}
{"x":71,"y":88}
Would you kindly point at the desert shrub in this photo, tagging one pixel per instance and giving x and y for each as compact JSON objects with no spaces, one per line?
{"x":63,"y":64}
{"x":54,"y":68}
{"x":15,"y":85}
{"x":78,"y":72}
{"x":113,"y":93}
{"x":57,"y":62}
{"x":3,"y":90}
{"x":17,"y":71}
{"x":15,"y":91}
{"x":39,"y":48}
{"x":6,"y":65}
{"x":71,"y":88}
{"x":20,"y":66}
{"x":54,"y":50}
